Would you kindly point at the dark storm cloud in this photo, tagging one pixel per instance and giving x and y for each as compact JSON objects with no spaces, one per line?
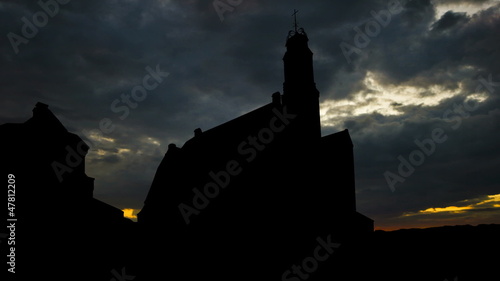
{"x":449,"y":20}
{"x":92,"y":52}
{"x":462,"y":167}
{"x":426,"y":56}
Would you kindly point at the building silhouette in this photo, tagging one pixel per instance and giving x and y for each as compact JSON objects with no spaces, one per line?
{"x":62,"y":231}
{"x":267,"y":178}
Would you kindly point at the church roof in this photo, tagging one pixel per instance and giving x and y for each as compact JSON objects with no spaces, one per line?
{"x":233,"y":132}
{"x":341,"y":138}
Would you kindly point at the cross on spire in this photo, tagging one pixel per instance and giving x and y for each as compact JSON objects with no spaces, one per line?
{"x":295,"y":19}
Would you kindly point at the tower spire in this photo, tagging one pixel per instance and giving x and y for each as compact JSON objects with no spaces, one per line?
{"x":299,"y":89}
{"x":295,"y":25}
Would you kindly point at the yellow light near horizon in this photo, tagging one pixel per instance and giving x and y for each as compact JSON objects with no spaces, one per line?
{"x":457,"y":210}
{"x":494,"y":198}
{"x":129,"y":213}
{"x":452,"y":209}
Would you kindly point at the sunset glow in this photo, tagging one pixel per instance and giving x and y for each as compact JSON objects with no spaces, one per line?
{"x":130,"y":214}
{"x":482,"y":204}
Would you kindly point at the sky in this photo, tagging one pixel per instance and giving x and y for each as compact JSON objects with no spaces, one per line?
{"x":416,"y":82}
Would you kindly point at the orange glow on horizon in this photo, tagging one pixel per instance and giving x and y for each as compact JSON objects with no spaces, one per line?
{"x":458,"y":213}
{"x":130,"y":214}
{"x":485,"y":203}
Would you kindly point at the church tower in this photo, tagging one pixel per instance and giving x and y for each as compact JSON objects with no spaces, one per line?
{"x":300,"y":95}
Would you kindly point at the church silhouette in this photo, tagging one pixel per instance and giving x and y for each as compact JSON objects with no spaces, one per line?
{"x":265,"y":184}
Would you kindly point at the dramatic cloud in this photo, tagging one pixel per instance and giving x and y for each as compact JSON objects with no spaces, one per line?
{"x":416,"y":82}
